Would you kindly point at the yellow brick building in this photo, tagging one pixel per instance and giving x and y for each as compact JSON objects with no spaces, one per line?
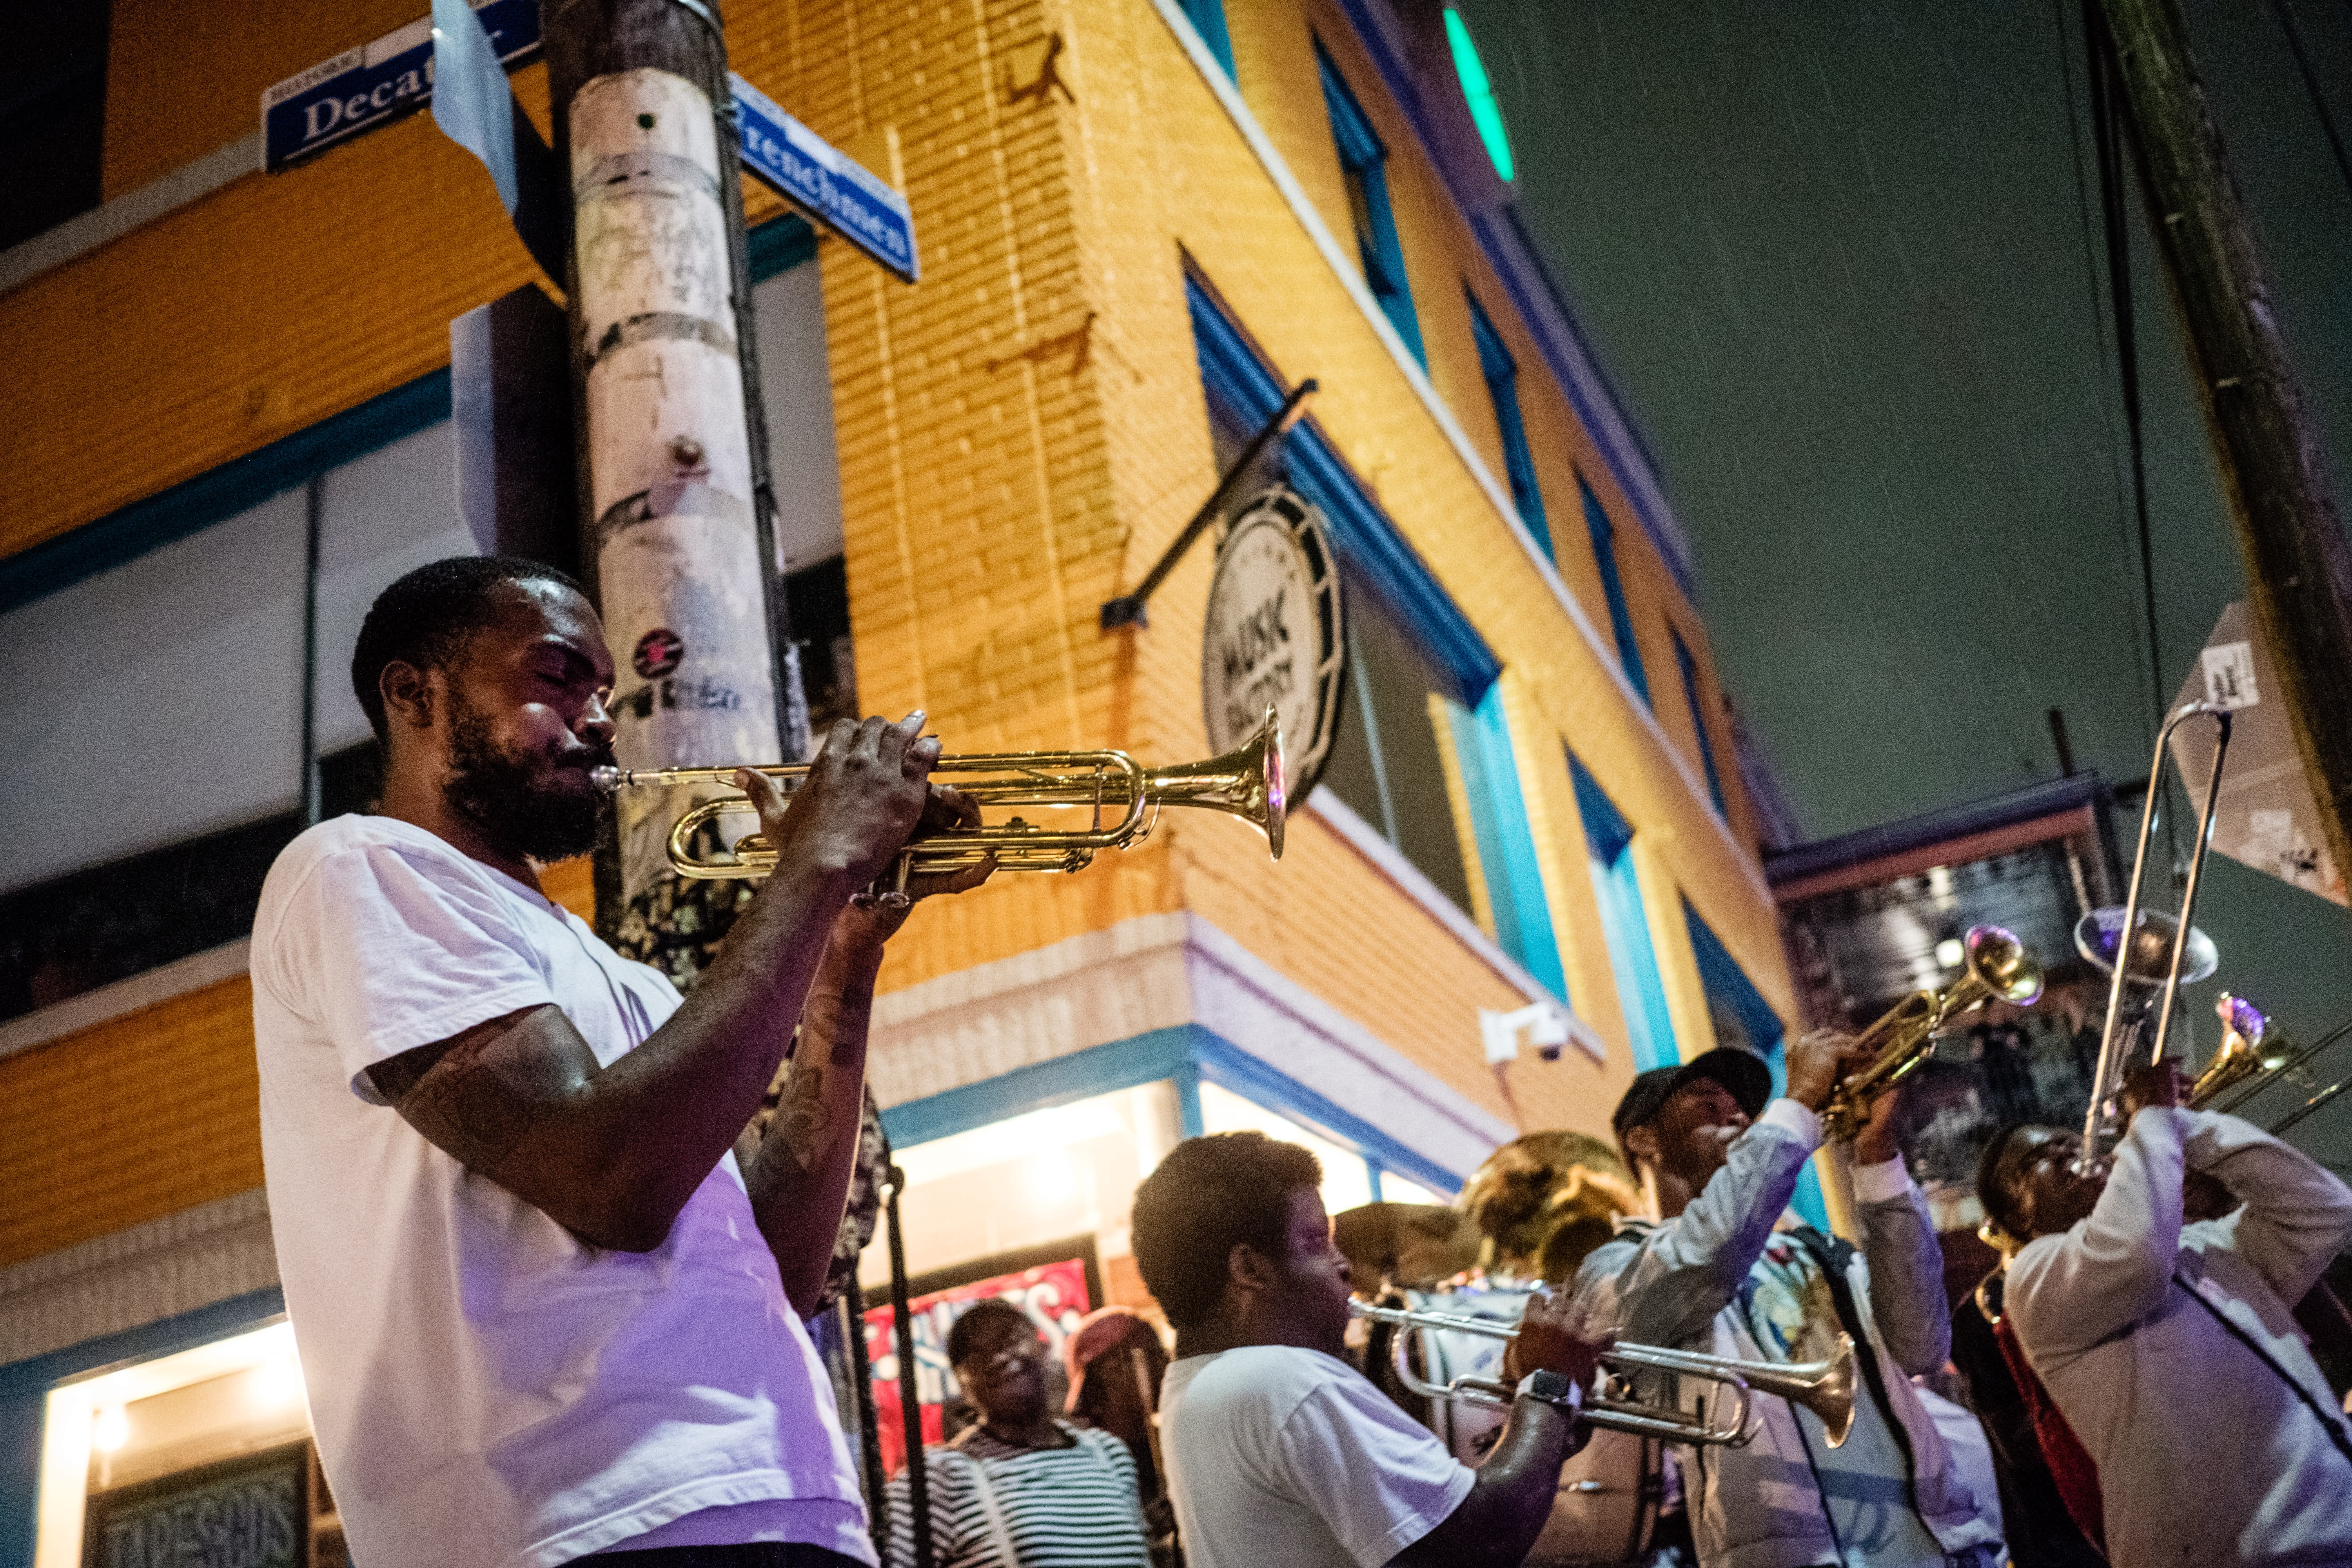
{"x":226,"y":421}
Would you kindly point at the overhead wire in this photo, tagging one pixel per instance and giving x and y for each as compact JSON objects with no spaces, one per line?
{"x":2296,"y":47}
{"x":2108,"y":135}
{"x":2092,"y":255}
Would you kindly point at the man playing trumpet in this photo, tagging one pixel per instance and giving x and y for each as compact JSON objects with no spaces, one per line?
{"x":1278,"y":1451}
{"x":1712,"y":1273}
{"x":2167,"y":1342}
{"x":544,"y":1308}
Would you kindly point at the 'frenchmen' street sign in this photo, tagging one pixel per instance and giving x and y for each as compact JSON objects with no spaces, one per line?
{"x":375,"y":84}
{"x":801,"y":167}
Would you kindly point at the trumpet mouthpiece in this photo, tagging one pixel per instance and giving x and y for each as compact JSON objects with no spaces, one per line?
{"x":608,"y":779}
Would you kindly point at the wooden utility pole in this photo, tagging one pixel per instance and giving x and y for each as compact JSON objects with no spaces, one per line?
{"x":2298,"y":567}
{"x":678,"y":536}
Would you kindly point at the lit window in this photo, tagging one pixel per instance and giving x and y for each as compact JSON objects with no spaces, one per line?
{"x":182,"y":1414}
{"x":1363,"y":162}
{"x":1347,"y":1179}
{"x":1040,"y":1176}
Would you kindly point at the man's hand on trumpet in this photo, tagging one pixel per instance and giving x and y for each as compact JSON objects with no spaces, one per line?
{"x":1552,"y":1338}
{"x":867,"y":796}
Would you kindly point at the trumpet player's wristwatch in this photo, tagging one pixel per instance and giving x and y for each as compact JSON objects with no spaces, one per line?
{"x":1562,"y":1393}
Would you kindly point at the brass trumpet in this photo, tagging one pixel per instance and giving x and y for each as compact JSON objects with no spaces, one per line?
{"x":1825,"y":1387}
{"x":1121,"y":797}
{"x":1999,"y":968}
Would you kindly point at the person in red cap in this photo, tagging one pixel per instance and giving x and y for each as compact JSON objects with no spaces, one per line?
{"x":1719,"y":1156}
{"x":1115,"y":1362}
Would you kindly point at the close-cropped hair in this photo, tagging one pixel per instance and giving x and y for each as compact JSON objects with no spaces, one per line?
{"x":975,"y":1318}
{"x":1210,"y":1195}
{"x":425,"y":619}
{"x":1999,"y":1201}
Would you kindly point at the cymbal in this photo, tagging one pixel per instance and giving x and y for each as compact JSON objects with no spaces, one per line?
{"x":1411,"y":1244}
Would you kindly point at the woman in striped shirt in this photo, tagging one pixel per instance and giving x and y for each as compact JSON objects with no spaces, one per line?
{"x":1018,"y":1488}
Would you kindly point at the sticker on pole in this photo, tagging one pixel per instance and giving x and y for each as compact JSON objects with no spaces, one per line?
{"x":375,"y":84}
{"x":824,"y":182}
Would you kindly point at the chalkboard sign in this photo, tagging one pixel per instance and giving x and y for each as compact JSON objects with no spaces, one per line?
{"x":249,"y":1512}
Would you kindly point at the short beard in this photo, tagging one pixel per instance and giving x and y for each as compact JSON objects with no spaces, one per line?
{"x":505,"y":799}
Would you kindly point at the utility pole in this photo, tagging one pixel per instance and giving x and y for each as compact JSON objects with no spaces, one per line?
{"x":677,"y":512}
{"x":2298,"y":566}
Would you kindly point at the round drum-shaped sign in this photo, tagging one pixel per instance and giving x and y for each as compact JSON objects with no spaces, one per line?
{"x":1275,"y":637}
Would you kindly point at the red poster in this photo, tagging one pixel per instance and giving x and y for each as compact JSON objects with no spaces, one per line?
{"x":1052,"y":1294}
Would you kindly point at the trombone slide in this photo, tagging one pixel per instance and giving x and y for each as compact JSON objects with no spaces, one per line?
{"x":1826,"y":1387}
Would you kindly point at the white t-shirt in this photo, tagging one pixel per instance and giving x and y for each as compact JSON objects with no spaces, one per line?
{"x":1288,"y":1455}
{"x":484,"y":1388}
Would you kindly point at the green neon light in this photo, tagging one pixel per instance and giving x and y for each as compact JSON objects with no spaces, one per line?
{"x":1484,"y":109}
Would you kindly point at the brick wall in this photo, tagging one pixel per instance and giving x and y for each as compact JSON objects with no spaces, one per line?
{"x":1020,"y":435}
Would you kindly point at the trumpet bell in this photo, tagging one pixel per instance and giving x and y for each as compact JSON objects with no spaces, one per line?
{"x":2004,"y":965}
{"x":2098,"y":935}
{"x":1246,"y":782}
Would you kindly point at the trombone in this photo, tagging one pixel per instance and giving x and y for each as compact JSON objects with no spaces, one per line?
{"x":1825,"y":1387}
{"x":1999,"y":968}
{"x":2130,"y":965}
{"x":1122,"y":799}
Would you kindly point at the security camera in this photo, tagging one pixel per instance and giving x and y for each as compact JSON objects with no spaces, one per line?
{"x":1549,"y":1034}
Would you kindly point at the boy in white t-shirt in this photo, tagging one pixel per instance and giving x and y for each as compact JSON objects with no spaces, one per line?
{"x":1278,"y":1449}
{"x":543,"y":1309}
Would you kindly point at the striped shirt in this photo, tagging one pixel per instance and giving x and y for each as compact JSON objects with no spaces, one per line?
{"x":1064,"y":1508}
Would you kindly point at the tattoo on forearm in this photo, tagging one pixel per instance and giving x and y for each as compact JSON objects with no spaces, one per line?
{"x":465,"y":1104}
{"x":831,"y":1039}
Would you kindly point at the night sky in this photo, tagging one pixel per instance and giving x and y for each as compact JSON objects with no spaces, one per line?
{"x":1839,"y":260}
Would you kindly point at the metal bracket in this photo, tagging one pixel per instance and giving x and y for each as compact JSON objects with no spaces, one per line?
{"x":1128,"y":609}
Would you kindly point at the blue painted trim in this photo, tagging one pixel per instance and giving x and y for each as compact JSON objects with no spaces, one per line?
{"x":1621,"y":614}
{"x":1245,"y":392}
{"x":1208,"y":19}
{"x":1507,"y":845}
{"x":25,"y":1389}
{"x":1363,"y":156}
{"x":1502,"y":373}
{"x":780,"y":245}
{"x":1123,"y":1064}
{"x":221,"y":493}
{"x":1689,"y":667}
{"x":1624,"y":922}
{"x":1229,"y":1067}
{"x":1186,"y":1052}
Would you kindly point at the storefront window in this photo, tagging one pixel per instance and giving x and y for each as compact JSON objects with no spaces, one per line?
{"x":1347,"y":1179}
{"x":128,"y":1457}
{"x":1396,"y":1189}
{"x":1042,"y":1176}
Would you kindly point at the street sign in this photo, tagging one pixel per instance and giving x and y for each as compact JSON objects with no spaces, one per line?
{"x":807,"y":171}
{"x":375,"y":84}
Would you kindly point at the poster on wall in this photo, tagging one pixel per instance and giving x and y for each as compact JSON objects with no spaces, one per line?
{"x":1056,"y":1284}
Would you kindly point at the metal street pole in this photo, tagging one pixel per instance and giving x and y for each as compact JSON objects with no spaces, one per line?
{"x":677,"y":512}
{"x":2298,"y":567}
